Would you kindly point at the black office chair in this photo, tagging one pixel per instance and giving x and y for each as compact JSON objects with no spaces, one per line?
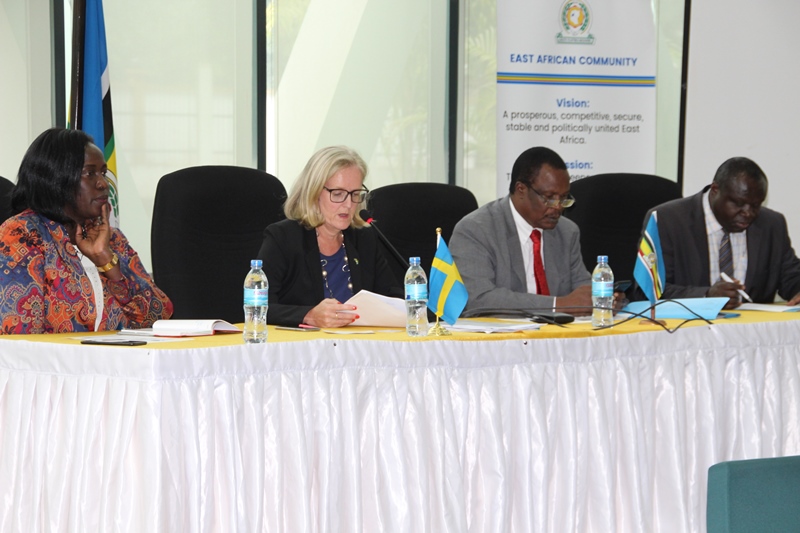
{"x":409,"y":213}
{"x":610,"y":210}
{"x":208,"y":223}
{"x":5,"y":199}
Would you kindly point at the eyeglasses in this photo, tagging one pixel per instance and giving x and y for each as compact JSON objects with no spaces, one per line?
{"x":553,"y":202}
{"x":340,"y":195}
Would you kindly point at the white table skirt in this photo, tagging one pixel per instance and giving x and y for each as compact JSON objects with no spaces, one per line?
{"x":612,"y":433}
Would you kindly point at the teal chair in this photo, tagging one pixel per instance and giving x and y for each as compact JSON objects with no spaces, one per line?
{"x":756,"y":495}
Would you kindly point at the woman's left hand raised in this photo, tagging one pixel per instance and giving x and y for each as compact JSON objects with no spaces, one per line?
{"x":93,"y":237}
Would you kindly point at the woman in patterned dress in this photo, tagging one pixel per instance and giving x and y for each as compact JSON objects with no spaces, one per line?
{"x":63,"y":268}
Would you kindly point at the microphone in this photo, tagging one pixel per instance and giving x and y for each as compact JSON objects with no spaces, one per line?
{"x":364,"y":214}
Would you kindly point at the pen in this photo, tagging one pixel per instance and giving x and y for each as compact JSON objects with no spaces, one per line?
{"x":744,"y":295}
{"x":307,"y":326}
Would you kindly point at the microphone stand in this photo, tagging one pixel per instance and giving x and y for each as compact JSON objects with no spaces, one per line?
{"x":364,"y":214}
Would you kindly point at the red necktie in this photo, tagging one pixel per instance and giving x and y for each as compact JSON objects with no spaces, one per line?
{"x":538,"y":266}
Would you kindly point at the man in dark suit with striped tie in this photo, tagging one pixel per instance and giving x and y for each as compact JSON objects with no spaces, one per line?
{"x":724,"y":231}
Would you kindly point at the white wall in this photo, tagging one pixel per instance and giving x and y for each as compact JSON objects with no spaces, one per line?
{"x":25,"y":93}
{"x":742,"y":86}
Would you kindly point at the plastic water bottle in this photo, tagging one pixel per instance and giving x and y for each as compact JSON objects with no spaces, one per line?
{"x":416,"y":283}
{"x":602,"y":293}
{"x":256,"y":300}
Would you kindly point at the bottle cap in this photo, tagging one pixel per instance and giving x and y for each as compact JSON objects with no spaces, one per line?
{"x":255,"y":263}
{"x":413,"y":260}
{"x":602,"y":259}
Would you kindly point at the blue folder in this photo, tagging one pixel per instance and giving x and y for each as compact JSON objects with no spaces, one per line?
{"x":685,"y":308}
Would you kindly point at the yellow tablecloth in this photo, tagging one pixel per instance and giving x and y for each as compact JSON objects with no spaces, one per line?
{"x":547,"y":331}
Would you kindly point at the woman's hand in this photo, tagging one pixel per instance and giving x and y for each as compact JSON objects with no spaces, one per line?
{"x":93,"y":237}
{"x":329,"y":313}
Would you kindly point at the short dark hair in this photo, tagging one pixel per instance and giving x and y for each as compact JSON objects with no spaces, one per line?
{"x":739,"y":166}
{"x":527,"y":166}
{"x":50,"y":173}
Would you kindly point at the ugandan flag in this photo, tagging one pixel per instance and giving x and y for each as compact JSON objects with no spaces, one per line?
{"x":90,"y":100}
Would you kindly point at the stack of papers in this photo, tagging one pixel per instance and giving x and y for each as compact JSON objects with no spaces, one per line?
{"x":772,"y":308}
{"x":504,"y":326}
{"x":382,"y":311}
{"x":184,"y":328}
{"x":378,"y":310}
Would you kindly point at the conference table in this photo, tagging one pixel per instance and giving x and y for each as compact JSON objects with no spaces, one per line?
{"x":562,"y":429}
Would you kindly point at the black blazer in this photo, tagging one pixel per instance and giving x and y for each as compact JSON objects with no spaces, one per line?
{"x":291,"y":261}
{"x":772,"y":265}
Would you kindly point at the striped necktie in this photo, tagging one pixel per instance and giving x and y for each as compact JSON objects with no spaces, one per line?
{"x":726,"y":255}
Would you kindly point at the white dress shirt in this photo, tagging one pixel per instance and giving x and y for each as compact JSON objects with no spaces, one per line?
{"x":524,"y":234}
{"x":715,"y":232}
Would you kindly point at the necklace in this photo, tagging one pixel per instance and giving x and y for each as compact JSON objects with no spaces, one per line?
{"x":345,"y":270}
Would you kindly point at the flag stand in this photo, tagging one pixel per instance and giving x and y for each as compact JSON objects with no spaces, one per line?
{"x":447,"y":295}
{"x":438,"y":329}
{"x":649,"y":269}
{"x":652,"y":319}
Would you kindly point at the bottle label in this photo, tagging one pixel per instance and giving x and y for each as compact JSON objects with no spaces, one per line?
{"x":256,"y":296}
{"x":416,"y":291}
{"x":602,"y":289}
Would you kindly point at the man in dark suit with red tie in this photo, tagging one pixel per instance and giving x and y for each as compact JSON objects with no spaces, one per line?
{"x":724,"y":230}
{"x":517,"y":252}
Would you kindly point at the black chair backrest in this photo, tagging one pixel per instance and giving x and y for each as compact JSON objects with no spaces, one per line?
{"x":208,"y":223}
{"x":409,"y":213}
{"x":610,"y":210}
{"x":5,"y":198}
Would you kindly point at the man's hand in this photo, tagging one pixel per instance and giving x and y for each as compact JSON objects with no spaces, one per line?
{"x":620,"y":300}
{"x":795,"y":300}
{"x":578,"y":302}
{"x":727,"y":289}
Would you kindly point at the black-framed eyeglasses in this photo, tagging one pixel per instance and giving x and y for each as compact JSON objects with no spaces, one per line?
{"x":340,"y":195}
{"x":553,"y":202}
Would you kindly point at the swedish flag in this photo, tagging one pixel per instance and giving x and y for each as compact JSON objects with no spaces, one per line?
{"x":447,"y":294}
{"x":649,"y":270}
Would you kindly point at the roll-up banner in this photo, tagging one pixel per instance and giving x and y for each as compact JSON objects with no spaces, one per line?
{"x":578,"y":77}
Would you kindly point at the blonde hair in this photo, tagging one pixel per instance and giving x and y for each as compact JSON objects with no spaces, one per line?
{"x":302,"y":204}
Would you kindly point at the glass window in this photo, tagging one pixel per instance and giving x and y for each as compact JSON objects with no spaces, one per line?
{"x":182,"y":92}
{"x":370,"y":75}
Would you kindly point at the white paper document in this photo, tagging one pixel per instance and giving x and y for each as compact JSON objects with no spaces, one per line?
{"x":184,"y":328}
{"x":378,"y":310}
{"x":345,"y":331}
{"x":772,"y":308}
{"x":504,"y":326}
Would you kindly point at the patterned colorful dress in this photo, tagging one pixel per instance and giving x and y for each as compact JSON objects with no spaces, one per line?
{"x":44,"y":288}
